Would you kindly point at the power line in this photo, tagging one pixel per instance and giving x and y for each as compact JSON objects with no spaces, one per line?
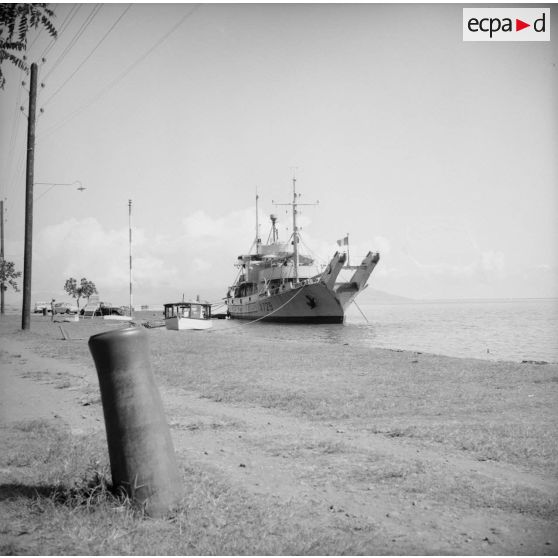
{"x":39,"y":33}
{"x":36,"y":38}
{"x":76,"y":37}
{"x":14,"y":132}
{"x":88,"y":56}
{"x":67,"y":20}
{"x":18,"y":170}
{"x":15,"y":163}
{"x":120,"y":77}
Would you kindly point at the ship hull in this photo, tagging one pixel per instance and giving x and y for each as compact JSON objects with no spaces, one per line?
{"x":313,"y":303}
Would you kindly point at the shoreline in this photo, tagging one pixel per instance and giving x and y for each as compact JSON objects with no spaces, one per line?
{"x":356,"y":332}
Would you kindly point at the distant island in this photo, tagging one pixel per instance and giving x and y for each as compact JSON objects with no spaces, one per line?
{"x":371,"y":296}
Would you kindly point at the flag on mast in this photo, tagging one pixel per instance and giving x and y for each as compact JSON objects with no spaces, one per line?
{"x":343,"y":241}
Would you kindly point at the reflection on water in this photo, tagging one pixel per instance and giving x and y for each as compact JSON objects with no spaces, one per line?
{"x":496,"y":330}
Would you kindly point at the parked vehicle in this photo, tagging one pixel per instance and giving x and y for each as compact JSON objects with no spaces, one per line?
{"x":65,"y":308}
{"x":101,"y":309}
{"x":107,"y":309}
{"x":40,"y":306}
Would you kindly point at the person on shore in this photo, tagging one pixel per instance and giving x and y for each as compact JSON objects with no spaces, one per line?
{"x":52,"y":310}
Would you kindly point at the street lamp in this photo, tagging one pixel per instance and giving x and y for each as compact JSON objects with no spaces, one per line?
{"x":28,"y":247}
{"x":79,"y":186}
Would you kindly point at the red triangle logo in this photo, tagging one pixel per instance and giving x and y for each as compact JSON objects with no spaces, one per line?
{"x":519,"y":25}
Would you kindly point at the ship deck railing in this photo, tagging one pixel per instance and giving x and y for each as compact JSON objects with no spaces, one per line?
{"x":288,"y":286}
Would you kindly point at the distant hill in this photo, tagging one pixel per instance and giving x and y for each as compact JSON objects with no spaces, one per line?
{"x":370,"y":296}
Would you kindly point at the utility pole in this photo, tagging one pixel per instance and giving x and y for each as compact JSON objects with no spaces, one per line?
{"x":2,"y":285}
{"x":130,"y":240}
{"x":28,"y":247}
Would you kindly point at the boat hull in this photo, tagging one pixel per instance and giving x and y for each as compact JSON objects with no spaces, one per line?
{"x":179,"y":324}
{"x":311,"y":303}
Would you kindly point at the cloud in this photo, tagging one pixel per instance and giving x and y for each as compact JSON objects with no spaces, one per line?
{"x":200,"y":226}
{"x":197,"y":254}
{"x":85,"y":249}
{"x":441,"y":244}
{"x":493,"y":262}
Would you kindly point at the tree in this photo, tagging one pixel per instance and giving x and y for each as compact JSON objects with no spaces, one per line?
{"x":8,"y":275}
{"x":85,"y":289}
{"x":16,"y":20}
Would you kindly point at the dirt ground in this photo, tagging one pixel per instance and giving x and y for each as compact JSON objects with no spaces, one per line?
{"x":323,"y":467}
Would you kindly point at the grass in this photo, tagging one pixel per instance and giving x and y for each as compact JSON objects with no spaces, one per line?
{"x":55,"y":495}
{"x":416,"y":477}
{"x":498,"y":411}
{"x":492,"y":410}
{"x":50,"y":510}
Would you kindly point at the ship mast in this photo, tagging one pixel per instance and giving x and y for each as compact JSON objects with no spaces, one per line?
{"x":295,"y":232}
{"x":294,"y":204}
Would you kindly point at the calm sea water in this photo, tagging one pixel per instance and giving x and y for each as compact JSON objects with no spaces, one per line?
{"x":516,"y":330}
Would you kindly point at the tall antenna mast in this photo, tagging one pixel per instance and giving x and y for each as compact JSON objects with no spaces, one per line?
{"x":130,"y":242}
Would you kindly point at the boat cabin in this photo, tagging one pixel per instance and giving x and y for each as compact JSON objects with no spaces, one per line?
{"x":193,"y":310}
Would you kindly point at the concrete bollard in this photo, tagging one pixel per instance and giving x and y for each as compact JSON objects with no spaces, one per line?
{"x":141,"y":453}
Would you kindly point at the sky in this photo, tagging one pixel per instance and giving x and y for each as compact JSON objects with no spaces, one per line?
{"x":438,"y":153}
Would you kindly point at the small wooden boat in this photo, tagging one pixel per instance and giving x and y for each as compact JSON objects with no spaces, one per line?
{"x":188,"y":315}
